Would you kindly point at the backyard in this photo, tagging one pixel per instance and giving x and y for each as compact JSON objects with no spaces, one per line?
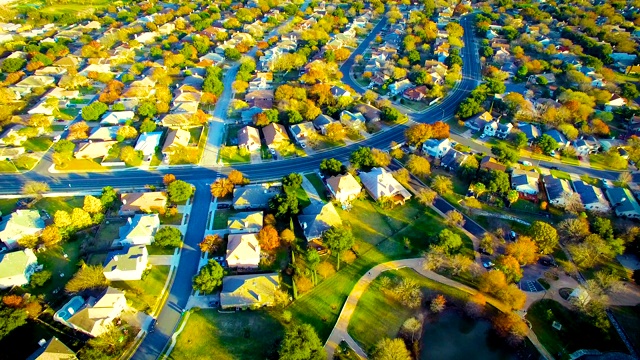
{"x":62,"y":261}
{"x":241,"y":335}
{"x":143,"y":294}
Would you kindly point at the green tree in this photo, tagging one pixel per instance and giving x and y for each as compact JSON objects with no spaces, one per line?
{"x":147,"y":126}
{"x":147,"y":109}
{"x":284,"y":204}
{"x":442,"y":184}
{"x":209,"y":277}
{"x":11,"y":319}
{"x":301,"y":343}
{"x":498,"y":182}
{"x":292,"y":182}
{"x":93,"y":111}
{"x":40,"y":278}
{"x":520,"y":140}
{"x":504,"y":154}
{"x":547,"y":144}
{"x":168,"y":237}
{"x":512,"y":196}
{"x":338,"y":239}
{"x":36,"y":188}
{"x":108,"y":197}
{"x":88,"y":277}
{"x":313,"y":260}
{"x":391,"y":349}
{"x":545,"y":236}
{"x":362,"y":158}
{"x":179,"y":191}
{"x":332,"y":167}
{"x":418,"y":165}
{"x":12,"y":65}
{"x":232,"y":54}
{"x":449,"y":240}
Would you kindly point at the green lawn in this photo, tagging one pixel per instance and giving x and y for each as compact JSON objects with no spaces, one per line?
{"x":62,"y":268}
{"x":234,"y":156}
{"x":160,"y":250}
{"x":379,"y":315}
{"x":241,"y":335}
{"x":7,"y":206}
{"x":317,"y":184}
{"x":577,"y":330}
{"x":41,"y":143}
{"x":82,"y":165}
{"x":25,"y":162}
{"x":7,"y":167}
{"x":220,"y":219}
{"x":195,"y":133}
{"x":106,"y":235}
{"x":560,"y":174}
{"x":53,"y":204}
{"x":599,"y":161}
{"x":629,"y":318}
{"x":303,"y":198}
{"x":590,"y":180}
{"x":171,"y":220}
{"x":143,"y":294}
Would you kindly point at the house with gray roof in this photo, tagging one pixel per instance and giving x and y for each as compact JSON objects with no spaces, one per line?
{"x":592,"y":197}
{"x":249,"y":291}
{"x":321,"y":123}
{"x":452,"y":160}
{"x":139,"y":230}
{"x":53,"y":349}
{"x":18,"y":225}
{"x":525,"y":182}
{"x":254,"y":196}
{"x":318,"y":218}
{"x":623,"y":202}
{"x":531,"y":131}
{"x":95,"y":315}
{"x":126,"y":264}
{"x":371,"y":113}
{"x":557,"y":190}
{"x":16,"y":268}
{"x":558,"y":137}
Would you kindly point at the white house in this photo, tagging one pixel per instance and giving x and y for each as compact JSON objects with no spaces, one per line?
{"x":117,"y":117}
{"x":19,"y":224}
{"x":381,"y":184}
{"x":344,"y":188}
{"x":139,"y":230}
{"x":592,"y":197}
{"x":93,"y":316}
{"x":126,"y":264}
{"x":243,"y":251}
{"x":615,"y":102}
{"x":525,"y":182}
{"x":17,"y":267}
{"x":436,"y":148}
{"x":147,"y":143}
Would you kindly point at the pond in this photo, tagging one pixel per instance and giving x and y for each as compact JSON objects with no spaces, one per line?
{"x":453,"y":336}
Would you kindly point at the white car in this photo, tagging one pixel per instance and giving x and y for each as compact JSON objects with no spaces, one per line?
{"x":272,"y":151}
{"x":303,"y":145}
{"x":488,"y":264}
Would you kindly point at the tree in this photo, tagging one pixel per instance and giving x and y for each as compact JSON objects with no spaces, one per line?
{"x":301,"y":343}
{"x":336,"y":132}
{"x":492,"y":281}
{"x":292,"y":182}
{"x":236,"y":177}
{"x":362,"y":158}
{"x":168,"y":179}
{"x":338,"y":239}
{"x":147,"y":126}
{"x":179,"y":191}
{"x":381,"y":158}
{"x":449,"y":240}
{"x":221,"y":188}
{"x":524,"y":250}
{"x":40,"y":278}
{"x":232,"y":54}
{"x":512,"y":197}
{"x":287,"y":236}
{"x":12,"y":65}
{"x":209,"y":277}
{"x":419,"y":133}
{"x":50,"y":236}
{"x":268,"y":238}
{"x":442,"y":184}
{"x":544,"y":235}
{"x":88,"y":277}
{"x":108,"y":196}
{"x":92,"y":205}
{"x":93,"y":111}
{"x":284,"y":204}
{"x":590,"y":251}
{"x":11,"y":319}
{"x":312,"y":259}
{"x":332,"y":167}
{"x":437,"y":304}
{"x":13,"y":301}
{"x":511,"y":326}
{"x":211,"y":243}
{"x":574,"y":229}
{"x":487,"y":243}
{"x":504,"y":154}
{"x":418,"y":165}
{"x":391,"y":349}
{"x":391,"y":114}
{"x":426,"y":197}
{"x":168,"y":237}
{"x":510,"y":267}
{"x":454,"y":218}
{"x":35,"y":188}
{"x":62,"y":219}
{"x":547,"y":144}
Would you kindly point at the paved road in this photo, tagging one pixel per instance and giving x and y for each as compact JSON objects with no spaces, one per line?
{"x":154,"y":343}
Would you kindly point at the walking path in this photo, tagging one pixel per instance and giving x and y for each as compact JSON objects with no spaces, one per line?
{"x":340,"y":333}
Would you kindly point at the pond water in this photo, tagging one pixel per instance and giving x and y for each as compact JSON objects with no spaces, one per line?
{"x":452,"y":336}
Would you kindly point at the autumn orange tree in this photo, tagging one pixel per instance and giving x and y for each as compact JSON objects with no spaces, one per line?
{"x":221,"y":187}
{"x":510,"y":326}
{"x":525,"y":250}
{"x":237,"y":178}
{"x":168,"y":179}
{"x":211,"y":243}
{"x":268,"y":238}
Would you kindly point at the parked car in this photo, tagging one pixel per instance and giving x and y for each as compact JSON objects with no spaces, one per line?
{"x":152,"y":326}
{"x":513,"y":236}
{"x":487,"y":264}
{"x":303,"y":145}
{"x":553,"y":167}
{"x":224,"y":206}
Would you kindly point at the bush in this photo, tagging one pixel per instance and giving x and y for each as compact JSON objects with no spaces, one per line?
{"x":168,"y":237}
{"x":40,"y":278}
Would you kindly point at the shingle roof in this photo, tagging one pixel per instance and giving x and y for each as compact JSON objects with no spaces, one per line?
{"x":53,"y":349}
{"x":318,"y":218}
{"x":126,"y":259}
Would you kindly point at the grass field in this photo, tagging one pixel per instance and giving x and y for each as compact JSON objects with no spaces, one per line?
{"x":7,"y":167}
{"x":62,"y":268}
{"x":41,"y":143}
{"x":560,"y":174}
{"x":303,"y":198}
{"x":379,"y":315}
{"x":317,"y":184}
{"x":53,"y":204}
{"x":233,"y":156}
{"x":241,"y":335}
{"x":160,"y":250}
{"x":144,"y":293}
{"x":599,"y":161}
{"x":82,"y":165}
{"x":629,"y":318}
{"x":7,"y":206}
{"x":171,"y":220}
{"x":577,"y":331}
{"x":220,"y":219}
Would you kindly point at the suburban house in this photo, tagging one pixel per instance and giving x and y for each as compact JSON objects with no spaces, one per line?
{"x":139,"y":230}
{"x":452,"y":160}
{"x":104,"y":133}
{"x":19,"y":224}
{"x":12,"y":136}
{"x":557,"y":190}
{"x":178,"y":120}
{"x":254,"y":196}
{"x":117,"y":117}
{"x":147,"y":143}
{"x":531,"y":131}
{"x":592,"y":197}
{"x":370,"y":113}
{"x":321,"y":123}
{"x":249,"y":139}
{"x":381,"y":184}
{"x":497,"y":129}
{"x":615,"y":102}
{"x":93,"y":149}
{"x":623,"y":202}
{"x":17,"y":267}
{"x":260,"y":98}
{"x":436,"y":147}
{"x":93,"y":316}
{"x":126,"y":264}
{"x":586,"y":146}
{"x":347,"y":118}
{"x":142,"y":201}
{"x":478,"y":122}
{"x":491,"y":164}
{"x":274,"y":135}
{"x":526,"y":183}
{"x":53,"y":349}
{"x":301,"y":132}
{"x":245,"y":222}
{"x":415,"y":94}
{"x":558,"y":137}
{"x":243,"y":251}
{"x":317,"y":218}
{"x":399,"y":86}
{"x":176,"y":140}
{"x":249,"y":291}
{"x":344,"y":188}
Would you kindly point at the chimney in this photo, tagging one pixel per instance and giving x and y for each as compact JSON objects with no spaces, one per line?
{"x":42,"y":342}
{"x":115,"y":258}
{"x":124,"y":201}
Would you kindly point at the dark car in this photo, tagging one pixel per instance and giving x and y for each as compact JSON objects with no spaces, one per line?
{"x":223,"y":206}
{"x":152,"y":326}
{"x":553,"y":168}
